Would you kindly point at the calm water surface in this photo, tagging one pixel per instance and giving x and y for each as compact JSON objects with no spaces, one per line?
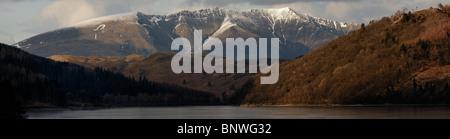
{"x":232,"y":112}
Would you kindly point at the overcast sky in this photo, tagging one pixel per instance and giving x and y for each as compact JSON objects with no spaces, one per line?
{"x":21,"y":19}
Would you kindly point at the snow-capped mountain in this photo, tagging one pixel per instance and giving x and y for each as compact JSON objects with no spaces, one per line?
{"x":126,"y":34}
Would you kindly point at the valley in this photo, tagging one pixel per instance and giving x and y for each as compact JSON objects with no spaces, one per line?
{"x":125,"y":60}
{"x":157,"y":68}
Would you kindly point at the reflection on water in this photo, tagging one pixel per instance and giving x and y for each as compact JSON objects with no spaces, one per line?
{"x":232,"y":112}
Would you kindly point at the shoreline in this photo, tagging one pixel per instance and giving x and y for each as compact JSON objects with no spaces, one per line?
{"x":344,"y":105}
{"x":108,"y":107}
{"x":243,"y":105}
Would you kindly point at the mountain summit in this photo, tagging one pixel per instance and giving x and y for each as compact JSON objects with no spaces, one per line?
{"x":126,"y":34}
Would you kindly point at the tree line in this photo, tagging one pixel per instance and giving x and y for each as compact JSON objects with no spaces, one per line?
{"x":37,"y":81}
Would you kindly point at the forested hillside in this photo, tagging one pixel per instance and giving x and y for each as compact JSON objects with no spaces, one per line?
{"x":403,"y":59}
{"x":38,"y":82}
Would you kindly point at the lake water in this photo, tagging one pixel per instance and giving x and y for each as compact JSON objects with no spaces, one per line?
{"x":233,"y":112}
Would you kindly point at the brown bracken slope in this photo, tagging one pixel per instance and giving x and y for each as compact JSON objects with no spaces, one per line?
{"x":157,"y":68}
{"x":402,"y":59}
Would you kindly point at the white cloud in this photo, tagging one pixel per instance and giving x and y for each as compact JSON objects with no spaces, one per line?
{"x":65,"y":13}
{"x":340,"y":10}
{"x":6,"y":38}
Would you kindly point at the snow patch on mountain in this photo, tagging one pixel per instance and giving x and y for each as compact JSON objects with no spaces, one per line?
{"x":100,"y":27}
{"x":342,"y":24}
{"x":155,"y":20}
{"x":126,"y":17}
{"x":282,"y":13}
{"x":225,"y":26}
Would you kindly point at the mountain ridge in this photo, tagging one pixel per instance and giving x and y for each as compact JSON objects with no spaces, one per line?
{"x":126,"y":34}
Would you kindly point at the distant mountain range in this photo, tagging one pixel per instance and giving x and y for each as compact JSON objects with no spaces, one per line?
{"x":138,"y":33}
{"x":404,"y":59}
